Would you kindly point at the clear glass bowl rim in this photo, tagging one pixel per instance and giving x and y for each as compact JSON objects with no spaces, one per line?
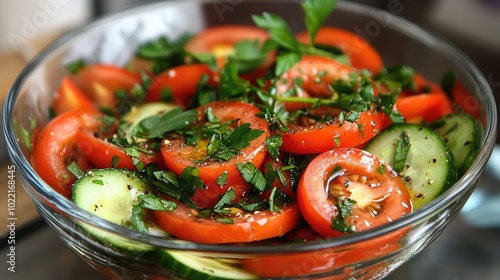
{"x":398,"y":23}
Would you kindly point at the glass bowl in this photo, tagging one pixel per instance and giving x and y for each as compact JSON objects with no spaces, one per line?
{"x":368,"y":255}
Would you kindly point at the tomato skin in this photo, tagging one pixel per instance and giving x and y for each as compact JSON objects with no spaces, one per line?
{"x":467,"y":101}
{"x":100,"y":82}
{"x":315,"y":73}
{"x":322,"y":137}
{"x":182,"y":81}
{"x":324,"y":260}
{"x":430,"y":107}
{"x":265,"y":224}
{"x":177,"y":155}
{"x":100,"y":152}
{"x":54,"y":148}
{"x":319,"y":210}
{"x":69,"y":96}
{"x":361,"y":54}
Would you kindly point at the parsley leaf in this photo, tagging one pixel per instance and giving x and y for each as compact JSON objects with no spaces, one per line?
{"x":279,"y":31}
{"x":137,"y":219}
{"x":344,"y":207}
{"x":162,"y":48}
{"x":402,"y":148}
{"x":447,"y":82}
{"x":273,"y":145}
{"x":153,"y":202}
{"x":156,"y":126}
{"x":252,"y":175}
{"x":231,"y":85}
{"x":74,"y":66}
{"x":75,"y":169}
{"x":223,"y":146}
{"x":317,"y":12}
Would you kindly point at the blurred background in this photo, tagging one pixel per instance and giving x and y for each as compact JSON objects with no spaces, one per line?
{"x":469,"y":250}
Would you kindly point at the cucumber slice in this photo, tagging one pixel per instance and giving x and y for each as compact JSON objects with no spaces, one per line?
{"x":130,"y":120}
{"x":110,"y":194}
{"x":462,"y":133}
{"x":189,"y":266}
{"x":429,"y":168}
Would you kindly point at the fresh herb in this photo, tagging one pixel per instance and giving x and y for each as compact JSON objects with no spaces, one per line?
{"x":386,"y":105}
{"x":249,"y":55}
{"x":137,"y":219}
{"x":98,"y":182}
{"x":114,"y":161}
{"x":222,"y":179}
{"x":252,"y":175}
{"x":397,"y":78}
{"x":291,"y":50}
{"x":273,"y":145}
{"x":181,"y":187}
{"x":153,"y":202}
{"x":163,"y":52}
{"x":75,"y":170}
{"x":344,"y":207}
{"x":223,"y":146}
{"x":277,"y":200}
{"x":157,"y":126}
{"x":316,"y":13}
{"x":402,"y":149}
{"x":225,"y":220}
{"x":231,"y":85}
{"x":74,"y":66}
{"x":225,"y":201}
{"x":381,"y":169}
{"x":448,"y":81}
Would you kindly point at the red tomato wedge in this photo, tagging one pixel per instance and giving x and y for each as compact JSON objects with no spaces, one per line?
{"x":467,"y":101}
{"x":181,"y":82}
{"x":315,"y":75}
{"x":424,"y":107}
{"x":54,"y":148}
{"x":359,"y":51}
{"x":101,"y":153}
{"x":220,"y":41}
{"x":100,"y":82}
{"x":177,"y":155}
{"x":69,"y":96}
{"x":354,"y":181}
{"x":183,"y":223}
{"x":318,"y":137}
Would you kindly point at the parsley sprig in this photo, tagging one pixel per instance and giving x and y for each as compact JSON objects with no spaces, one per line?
{"x":291,"y":50}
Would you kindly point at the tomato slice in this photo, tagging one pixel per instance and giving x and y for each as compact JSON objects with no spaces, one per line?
{"x":220,"y":41}
{"x":69,"y":96}
{"x":100,"y":82}
{"x":247,"y":227}
{"x":54,"y":148}
{"x":308,"y":138}
{"x":361,"y":54}
{"x":177,"y":155}
{"x":324,"y":260}
{"x":354,"y":181}
{"x":467,"y":102}
{"x":314,"y":74}
{"x":180,"y":81}
{"x":424,"y":107}
{"x":102,"y":153}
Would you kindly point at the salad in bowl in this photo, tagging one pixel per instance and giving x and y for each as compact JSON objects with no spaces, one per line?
{"x":249,"y":148}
